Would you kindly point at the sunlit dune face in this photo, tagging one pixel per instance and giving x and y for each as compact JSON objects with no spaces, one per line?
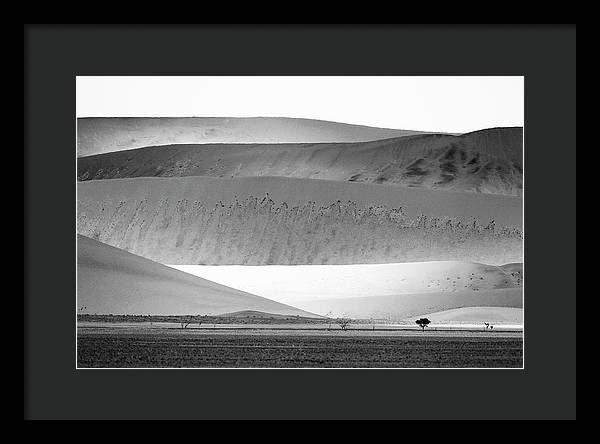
{"x":291,"y":284}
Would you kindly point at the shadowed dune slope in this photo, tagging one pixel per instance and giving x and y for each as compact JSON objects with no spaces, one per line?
{"x":181,"y":221}
{"x":402,"y":306}
{"x":114,"y":281}
{"x":97,"y":135}
{"x":487,"y":161}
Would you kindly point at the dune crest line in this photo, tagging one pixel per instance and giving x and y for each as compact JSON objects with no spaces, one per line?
{"x":487,"y":161}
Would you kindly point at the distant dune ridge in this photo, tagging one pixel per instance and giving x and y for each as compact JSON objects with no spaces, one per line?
{"x":398,"y":307}
{"x":176,"y":221}
{"x":97,"y":135}
{"x":498,"y":316}
{"x":487,"y":161}
{"x":113,"y":281}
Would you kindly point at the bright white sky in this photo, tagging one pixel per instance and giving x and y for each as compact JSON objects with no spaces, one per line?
{"x":445,"y":104}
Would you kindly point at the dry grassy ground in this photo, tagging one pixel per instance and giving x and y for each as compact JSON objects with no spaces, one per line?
{"x":242,"y":349}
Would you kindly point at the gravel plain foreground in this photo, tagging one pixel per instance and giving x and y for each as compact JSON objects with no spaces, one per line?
{"x":222,"y":347}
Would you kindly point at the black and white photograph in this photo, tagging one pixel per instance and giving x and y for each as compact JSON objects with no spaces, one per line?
{"x":300,"y":222}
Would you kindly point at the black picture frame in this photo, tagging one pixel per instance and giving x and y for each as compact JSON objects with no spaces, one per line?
{"x":54,"y":55}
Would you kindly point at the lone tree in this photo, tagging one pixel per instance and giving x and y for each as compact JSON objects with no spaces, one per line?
{"x":423,"y":322}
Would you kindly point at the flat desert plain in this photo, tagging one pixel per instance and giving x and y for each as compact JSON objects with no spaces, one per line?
{"x":295,"y":348}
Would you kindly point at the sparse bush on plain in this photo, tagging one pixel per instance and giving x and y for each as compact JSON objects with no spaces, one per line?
{"x":185,"y":322}
{"x":344,"y":322}
{"x":488,"y":326}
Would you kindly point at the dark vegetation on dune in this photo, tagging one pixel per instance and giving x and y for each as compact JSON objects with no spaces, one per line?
{"x":260,"y":232}
{"x":487,"y":161}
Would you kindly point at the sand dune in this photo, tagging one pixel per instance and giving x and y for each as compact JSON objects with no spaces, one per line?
{"x":252,"y":314}
{"x":515,"y":270}
{"x":114,"y":281}
{"x":505,"y":210}
{"x":469,"y":315}
{"x":293,"y":284}
{"x":181,"y":221}
{"x":264,"y":215}
{"x":99,"y":135}
{"x":399,"y":307}
{"x":487,"y":161}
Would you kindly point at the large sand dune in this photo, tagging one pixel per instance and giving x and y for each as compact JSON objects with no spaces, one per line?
{"x":515,"y":270}
{"x":498,"y":316}
{"x":293,"y":284}
{"x":114,"y":281}
{"x":100,"y":134}
{"x":488,"y":161}
{"x":181,"y":221}
{"x":402,"y":306}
